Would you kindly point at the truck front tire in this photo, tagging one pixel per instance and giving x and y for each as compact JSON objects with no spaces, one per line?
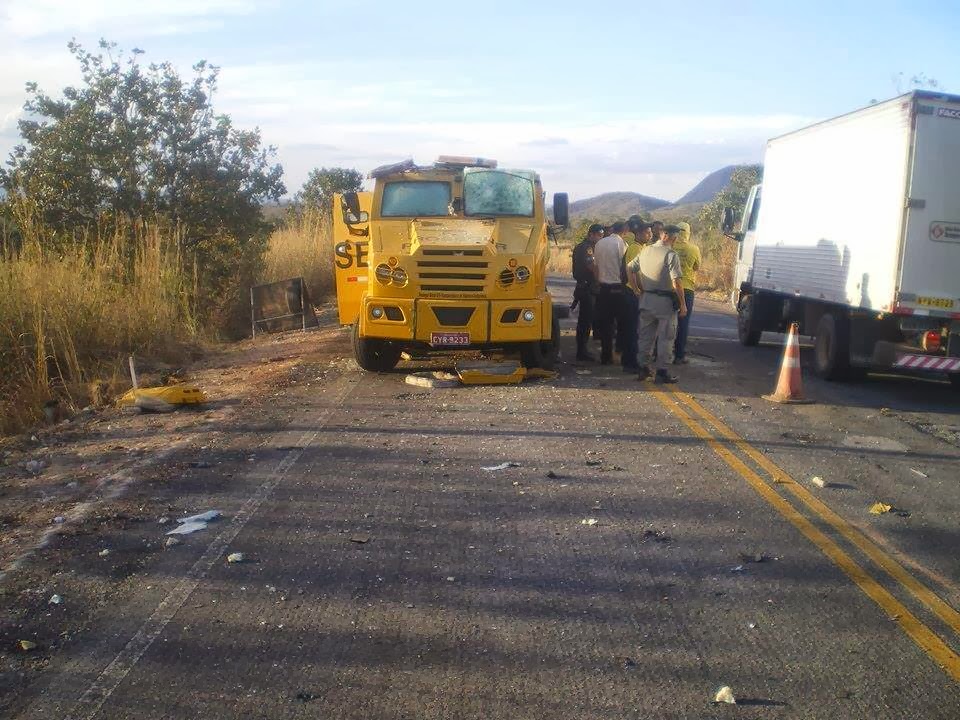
{"x":746,"y":321}
{"x":374,"y":354}
{"x":543,"y":353}
{"x":831,"y":348}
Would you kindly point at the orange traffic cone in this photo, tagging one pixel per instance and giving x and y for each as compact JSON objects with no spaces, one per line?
{"x":789,"y":388}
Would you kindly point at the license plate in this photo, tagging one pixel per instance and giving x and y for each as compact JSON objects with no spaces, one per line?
{"x":935,"y":302}
{"x":450,"y":339}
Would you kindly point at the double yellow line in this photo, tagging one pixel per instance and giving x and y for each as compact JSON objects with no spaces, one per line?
{"x":685,"y":407}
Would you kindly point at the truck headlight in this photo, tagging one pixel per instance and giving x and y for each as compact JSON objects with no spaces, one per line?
{"x":528,"y":315}
{"x":383,"y":273}
{"x":522,"y":273}
{"x":399,"y":277}
{"x":377,"y":313}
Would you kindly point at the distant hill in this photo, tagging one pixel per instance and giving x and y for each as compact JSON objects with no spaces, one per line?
{"x":615,"y":205}
{"x":707,"y":189}
{"x":674,"y":213}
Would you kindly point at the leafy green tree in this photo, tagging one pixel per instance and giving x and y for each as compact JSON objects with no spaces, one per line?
{"x":322,"y":183}
{"x":734,"y":195}
{"x":139,"y":144}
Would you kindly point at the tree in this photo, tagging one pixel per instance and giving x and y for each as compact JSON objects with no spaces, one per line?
{"x":139,"y":144}
{"x":322,"y":183}
{"x":734,"y":195}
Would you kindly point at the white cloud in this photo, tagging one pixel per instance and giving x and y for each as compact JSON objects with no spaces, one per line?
{"x":316,"y":114}
{"x":37,"y":18}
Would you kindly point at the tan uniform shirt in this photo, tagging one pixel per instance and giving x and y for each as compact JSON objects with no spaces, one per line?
{"x":657,"y":266}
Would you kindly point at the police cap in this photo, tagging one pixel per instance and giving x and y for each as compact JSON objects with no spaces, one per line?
{"x":595,"y":228}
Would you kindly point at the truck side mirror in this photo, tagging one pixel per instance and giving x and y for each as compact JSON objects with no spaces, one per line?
{"x":561,"y":209}
{"x":728,"y":221}
{"x":352,"y":201}
{"x":353,"y":214}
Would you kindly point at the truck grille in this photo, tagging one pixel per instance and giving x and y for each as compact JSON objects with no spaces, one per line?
{"x":453,"y":271}
{"x":453,"y":316}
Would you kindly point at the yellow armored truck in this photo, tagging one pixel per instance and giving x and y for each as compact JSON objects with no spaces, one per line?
{"x":447,"y":257}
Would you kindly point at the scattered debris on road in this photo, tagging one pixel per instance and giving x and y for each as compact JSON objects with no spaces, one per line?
{"x":172,"y":542}
{"x":872,"y":442}
{"x":724,"y":696}
{"x":360,"y":538}
{"x":879,"y":508}
{"x":54,"y":600}
{"x":501,"y":466}
{"x":304,"y":696}
{"x":589,"y":521}
{"x":27,"y":645}
{"x":753,"y":557}
{"x":237,"y":557}
{"x":194,"y":523}
{"x":433,"y":379}
{"x":103,"y":553}
{"x":35,"y":467}
{"x":917,"y":472}
{"x":819,"y":482}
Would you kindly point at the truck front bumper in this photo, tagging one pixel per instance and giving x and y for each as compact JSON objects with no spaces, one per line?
{"x":485,"y":321}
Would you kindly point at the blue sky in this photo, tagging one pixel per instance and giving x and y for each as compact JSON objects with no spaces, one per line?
{"x":597,"y":96}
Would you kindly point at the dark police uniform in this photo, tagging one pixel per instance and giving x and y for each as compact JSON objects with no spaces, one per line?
{"x":585,"y":294}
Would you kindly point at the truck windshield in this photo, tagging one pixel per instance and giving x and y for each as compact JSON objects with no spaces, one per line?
{"x":416,"y":198}
{"x":497,"y":192}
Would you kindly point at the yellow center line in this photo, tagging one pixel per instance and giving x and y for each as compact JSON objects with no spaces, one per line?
{"x":931,"y":643}
{"x":920,"y":591}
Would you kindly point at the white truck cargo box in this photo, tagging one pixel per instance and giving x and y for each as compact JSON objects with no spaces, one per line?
{"x":865,"y":206}
{"x":855,"y":235}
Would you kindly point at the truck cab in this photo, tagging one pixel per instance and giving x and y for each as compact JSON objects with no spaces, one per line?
{"x":454,"y":258}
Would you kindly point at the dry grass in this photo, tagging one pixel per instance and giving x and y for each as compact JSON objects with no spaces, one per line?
{"x":561,"y":260}
{"x":68,"y":317}
{"x":302,"y":247}
{"x":718,"y":259}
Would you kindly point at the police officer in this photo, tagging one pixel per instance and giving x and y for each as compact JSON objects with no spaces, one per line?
{"x":585,"y":294}
{"x":608,"y":254}
{"x":656,"y":274}
{"x":629,"y":307}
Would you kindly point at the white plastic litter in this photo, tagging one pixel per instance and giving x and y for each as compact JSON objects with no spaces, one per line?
{"x":233,"y":558}
{"x":202,"y":517}
{"x":188,"y":528}
{"x":501,"y":466}
{"x":589,"y":521}
{"x":55,"y":600}
{"x":192,"y":524}
{"x":725,"y":695}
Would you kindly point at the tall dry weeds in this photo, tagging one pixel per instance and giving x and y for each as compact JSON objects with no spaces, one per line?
{"x":302,"y":247}
{"x":70,"y":315}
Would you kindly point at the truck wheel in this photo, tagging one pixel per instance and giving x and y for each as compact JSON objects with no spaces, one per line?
{"x":831,"y":349}
{"x":374,"y":354}
{"x":543,"y":353}
{"x":746,"y":327}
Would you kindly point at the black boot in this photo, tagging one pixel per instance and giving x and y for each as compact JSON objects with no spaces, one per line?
{"x":664,"y":377}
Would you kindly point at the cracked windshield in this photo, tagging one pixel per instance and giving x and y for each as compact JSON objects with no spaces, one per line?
{"x":493,"y":192}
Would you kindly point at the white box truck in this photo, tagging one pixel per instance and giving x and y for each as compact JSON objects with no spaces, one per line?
{"x":855,"y":235}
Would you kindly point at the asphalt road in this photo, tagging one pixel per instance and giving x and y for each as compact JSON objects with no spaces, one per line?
{"x":648,"y":547}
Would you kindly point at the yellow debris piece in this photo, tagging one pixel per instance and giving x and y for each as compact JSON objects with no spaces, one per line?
{"x":507,"y":374}
{"x":500,"y":373}
{"x":879,"y":508}
{"x":163,"y":399}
